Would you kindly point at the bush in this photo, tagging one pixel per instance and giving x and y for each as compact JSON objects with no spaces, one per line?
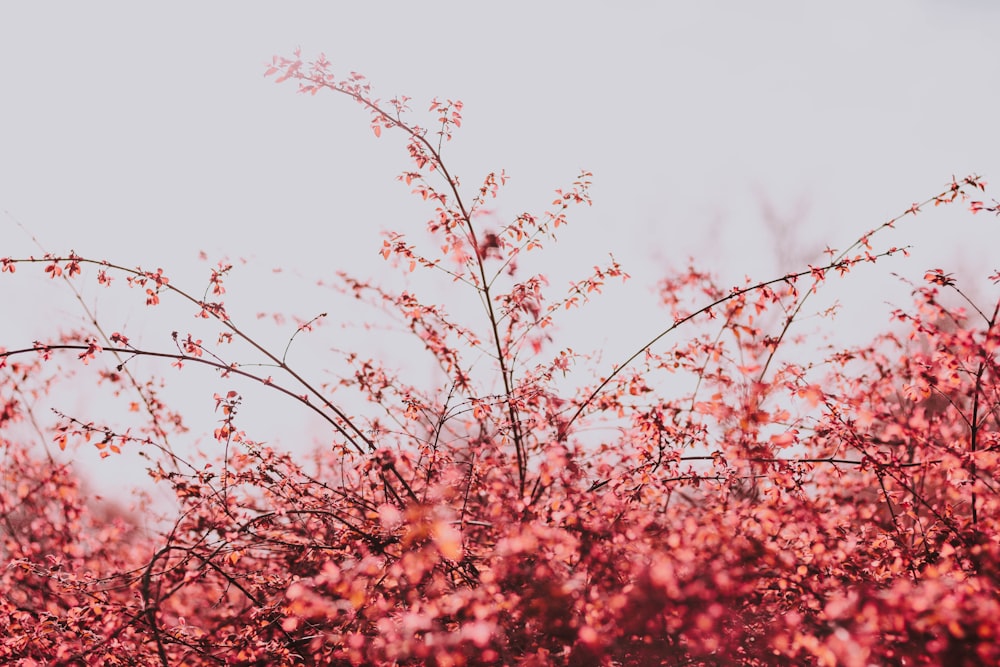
{"x":839,"y":511}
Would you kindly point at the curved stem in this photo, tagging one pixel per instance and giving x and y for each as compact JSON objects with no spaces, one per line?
{"x":198,"y":360}
{"x":435,"y":154}
{"x":216,"y":311}
{"x":841,"y":262}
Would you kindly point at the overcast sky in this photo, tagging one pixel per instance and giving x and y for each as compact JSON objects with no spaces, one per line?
{"x":746,"y":134}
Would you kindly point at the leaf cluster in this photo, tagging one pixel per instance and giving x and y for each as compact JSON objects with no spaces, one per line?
{"x":530,"y":507}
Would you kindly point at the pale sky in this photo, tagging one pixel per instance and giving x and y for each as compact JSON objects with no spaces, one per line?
{"x":145,"y":134}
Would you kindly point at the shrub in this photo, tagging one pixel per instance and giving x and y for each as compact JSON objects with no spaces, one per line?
{"x":841,"y":510}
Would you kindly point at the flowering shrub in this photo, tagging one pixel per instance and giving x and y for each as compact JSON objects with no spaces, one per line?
{"x":842,"y":511}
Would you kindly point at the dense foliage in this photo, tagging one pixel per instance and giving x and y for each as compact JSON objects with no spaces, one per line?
{"x":838,"y":511}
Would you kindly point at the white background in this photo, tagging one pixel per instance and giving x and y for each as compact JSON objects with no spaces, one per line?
{"x":747,"y":135}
